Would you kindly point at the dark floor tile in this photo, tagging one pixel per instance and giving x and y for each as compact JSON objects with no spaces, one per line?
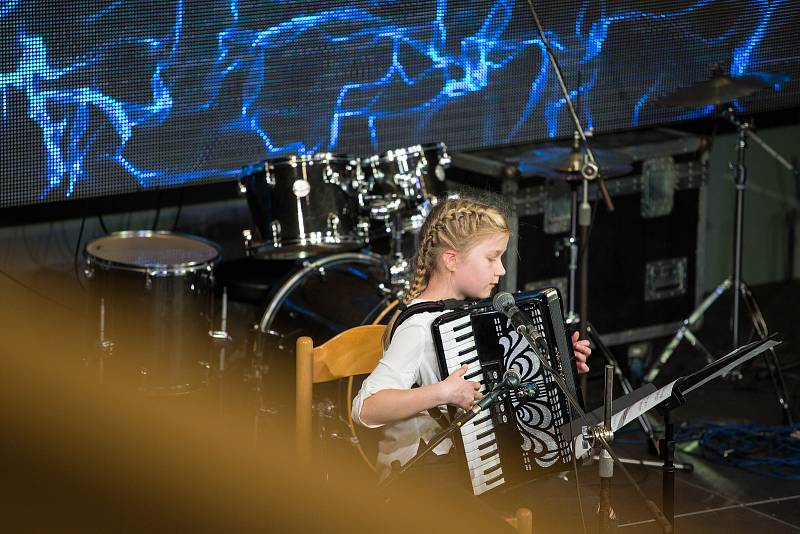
{"x":734,"y":520}
{"x":788,"y":510}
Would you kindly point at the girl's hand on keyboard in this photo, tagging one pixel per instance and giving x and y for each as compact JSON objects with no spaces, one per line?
{"x":460,"y":392}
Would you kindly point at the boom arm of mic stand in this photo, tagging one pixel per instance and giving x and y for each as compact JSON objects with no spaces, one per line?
{"x":651,"y":506}
{"x":438,"y":438}
{"x":591,"y":162}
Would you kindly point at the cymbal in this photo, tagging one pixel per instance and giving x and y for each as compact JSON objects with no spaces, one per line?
{"x":720,"y":89}
{"x":566,"y":163}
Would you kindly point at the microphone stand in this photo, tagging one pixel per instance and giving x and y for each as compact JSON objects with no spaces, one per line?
{"x":398,"y":470}
{"x":589,"y":171}
{"x":599,"y":434}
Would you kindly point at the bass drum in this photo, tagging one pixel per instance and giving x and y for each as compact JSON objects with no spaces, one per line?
{"x":321,"y":299}
{"x":327,"y":296}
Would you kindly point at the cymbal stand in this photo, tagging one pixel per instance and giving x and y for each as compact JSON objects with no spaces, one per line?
{"x":221,"y":339}
{"x":744,"y":132}
{"x":105,"y":347}
{"x":589,"y":171}
{"x":399,"y":266}
{"x":588,"y":331}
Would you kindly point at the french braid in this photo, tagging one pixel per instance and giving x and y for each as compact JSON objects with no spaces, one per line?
{"x":456,"y":224}
{"x":453,"y":224}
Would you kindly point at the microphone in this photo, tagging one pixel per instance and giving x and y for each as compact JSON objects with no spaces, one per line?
{"x":511,"y":379}
{"x":504,"y":303}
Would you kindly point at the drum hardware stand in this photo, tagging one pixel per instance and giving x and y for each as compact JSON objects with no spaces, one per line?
{"x":743,"y":133}
{"x":399,"y":266}
{"x":594,"y":337}
{"x":222,"y":339}
{"x":792,"y":220}
{"x":221,"y":336}
{"x":258,"y":368}
{"x":587,"y":329}
{"x":325,"y":411}
{"x":105,"y":347}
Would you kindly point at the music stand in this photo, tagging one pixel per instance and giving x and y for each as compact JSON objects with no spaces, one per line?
{"x":665,"y":399}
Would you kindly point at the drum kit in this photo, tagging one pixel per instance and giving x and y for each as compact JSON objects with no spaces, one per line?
{"x":340,"y":229}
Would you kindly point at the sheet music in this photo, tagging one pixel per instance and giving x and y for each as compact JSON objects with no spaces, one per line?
{"x":625,"y":416}
{"x":635,"y":410}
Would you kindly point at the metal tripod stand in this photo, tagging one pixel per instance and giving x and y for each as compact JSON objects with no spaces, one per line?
{"x":740,"y":290}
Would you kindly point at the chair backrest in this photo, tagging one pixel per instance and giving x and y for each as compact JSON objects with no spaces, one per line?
{"x":353,"y":352}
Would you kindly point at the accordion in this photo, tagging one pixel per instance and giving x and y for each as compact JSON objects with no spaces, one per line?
{"x":516,"y":440}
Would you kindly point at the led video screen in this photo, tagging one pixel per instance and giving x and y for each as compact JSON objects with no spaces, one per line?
{"x":108,"y":97}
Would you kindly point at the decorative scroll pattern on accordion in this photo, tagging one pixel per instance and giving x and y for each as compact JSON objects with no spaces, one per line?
{"x":517,"y":440}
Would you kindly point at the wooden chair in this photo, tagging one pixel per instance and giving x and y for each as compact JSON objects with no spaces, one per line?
{"x":353,"y":352}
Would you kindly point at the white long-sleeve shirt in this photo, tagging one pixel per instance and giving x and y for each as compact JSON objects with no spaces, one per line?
{"x":410,"y":359}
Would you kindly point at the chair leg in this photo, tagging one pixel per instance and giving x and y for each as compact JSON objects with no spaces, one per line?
{"x":304,"y":356}
{"x":524,"y":521}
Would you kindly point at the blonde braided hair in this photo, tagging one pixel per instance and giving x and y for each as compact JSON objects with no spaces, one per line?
{"x":455,"y":224}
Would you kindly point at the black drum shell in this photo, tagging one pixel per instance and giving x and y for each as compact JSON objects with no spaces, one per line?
{"x":304,"y":214}
{"x":152,"y":329}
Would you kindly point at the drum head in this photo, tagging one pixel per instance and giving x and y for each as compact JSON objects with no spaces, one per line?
{"x":328,"y":296}
{"x":146,"y":251}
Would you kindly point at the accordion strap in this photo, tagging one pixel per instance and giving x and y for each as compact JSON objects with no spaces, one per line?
{"x":423,"y":307}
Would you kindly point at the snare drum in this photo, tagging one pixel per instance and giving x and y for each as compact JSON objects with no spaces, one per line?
{"x":152,"y":293}
{"x":304,"y":205}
